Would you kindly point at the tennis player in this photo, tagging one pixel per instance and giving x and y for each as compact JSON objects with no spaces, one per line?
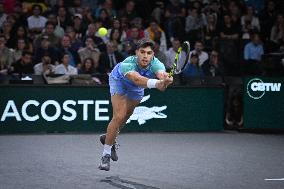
{"x":127,"y":82}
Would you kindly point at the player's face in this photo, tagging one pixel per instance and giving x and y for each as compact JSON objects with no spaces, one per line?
{"x":145,"y":55}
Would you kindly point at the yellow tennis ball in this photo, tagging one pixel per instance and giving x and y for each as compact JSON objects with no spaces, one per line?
{"x":102,"y":31}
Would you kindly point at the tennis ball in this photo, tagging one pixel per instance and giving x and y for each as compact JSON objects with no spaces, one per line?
{"x":102,"y":31}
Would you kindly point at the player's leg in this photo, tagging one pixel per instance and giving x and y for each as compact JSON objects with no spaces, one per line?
{"x":130,"y":106}
{"x":119,"y":106}
{"x":119,"y":113}
{"x":123,"y":107}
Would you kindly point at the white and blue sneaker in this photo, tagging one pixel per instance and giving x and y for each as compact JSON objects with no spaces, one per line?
{"x":105,"y":163}
{"x":114,"y":147}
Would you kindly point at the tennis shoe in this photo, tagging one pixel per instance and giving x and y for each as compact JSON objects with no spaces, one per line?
{"x":105,"y":163}
{"x":114,"y":147}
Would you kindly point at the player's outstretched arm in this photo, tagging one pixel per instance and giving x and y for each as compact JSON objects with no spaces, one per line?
{"x":162,"y":75}
{"x":146,"y":82}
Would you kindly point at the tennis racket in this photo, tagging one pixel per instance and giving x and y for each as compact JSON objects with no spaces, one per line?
{"x":181,"y":59}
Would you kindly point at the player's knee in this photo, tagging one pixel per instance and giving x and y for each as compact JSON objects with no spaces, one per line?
{"x":128,"y":114}
{"x":119,"y":118}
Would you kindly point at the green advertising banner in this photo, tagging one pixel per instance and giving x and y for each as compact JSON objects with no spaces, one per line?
{"x":264,"y":103}
{"x":88,"y":109}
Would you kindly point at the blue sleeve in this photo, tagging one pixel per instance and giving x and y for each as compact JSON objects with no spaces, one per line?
{"x":246,"y":52}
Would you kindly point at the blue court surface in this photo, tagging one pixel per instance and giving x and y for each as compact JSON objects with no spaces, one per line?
{"x":229,"y":160}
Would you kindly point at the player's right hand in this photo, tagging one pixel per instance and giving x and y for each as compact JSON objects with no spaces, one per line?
{"x":161,"y":85}
{"x":168,"y":80}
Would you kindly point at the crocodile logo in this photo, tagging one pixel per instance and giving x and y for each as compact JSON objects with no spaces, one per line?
{"x":142,"y":113}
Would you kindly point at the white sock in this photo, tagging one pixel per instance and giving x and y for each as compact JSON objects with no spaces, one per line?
{"x":107,"y":149}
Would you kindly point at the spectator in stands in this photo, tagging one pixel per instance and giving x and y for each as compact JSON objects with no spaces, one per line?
{"x":91,"y":32}
{"x":20,"y":14}
{"x":45,"y":48}
{"x":24,"y":65}
{"x":78,"y":26}
{"x":202,"y":55}
{"x":192,"y":68}
{"x":214,"y":8}
{"x":235,"y":13}
{"x":257,"y":5}
{"x":267,"y":18}
{"x":194,"y":24}
{"x":155,"y":32}
{"x":6,"y":56}
{"x":12,"y":19}
{"x":109,"y":58}
{"x":129,"y":10}
{"x":74,"y":7}
{"x":277,"y":31}
{"x":65,"y":47}
{"x":108,"y":5}
{"x":128,"y":49}
{"x":45,"y":66}
{"x":210,"y":32}
{"x":136,"y":23}
{"x":89,"y":51}
{"x":117,"y":25}
{"x":56,"y":5}
{"x":64,"y":17}
{"x":58,"y":30}
{"x":174,"y":13}
{"x":124,"y":22}
{"x":213,"y":66}
{"x":105,"y":18}
{"x":49,"y":32}
{"x":89,"y":67}
{"x":229,"y":30}
{"x":158,"y":53}
{"x":6,"y":30}
{"x":171,"y":53}
{"x":252,"y":55}
{"x":36,"y":22}
{"x":91,"y":4}
{"x":87,"y":18}
{"x":115,"y":38}
{"x":22,"y":46}
{"x":250,"y":23}
{"x":65,"y":67}
{"x":3,"y":15}
{"x":158,"y":12}
{"x":133,"y":35}
{"x":19,"y":32}
{"x":76,"y":42}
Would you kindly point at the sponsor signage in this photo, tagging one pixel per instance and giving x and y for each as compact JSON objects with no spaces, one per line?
{"x":256,"y":88}
{"x":264,"y":103}
{"x":88,"y":109}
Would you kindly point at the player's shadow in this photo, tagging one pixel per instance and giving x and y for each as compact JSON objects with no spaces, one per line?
{"x":125,"y":184}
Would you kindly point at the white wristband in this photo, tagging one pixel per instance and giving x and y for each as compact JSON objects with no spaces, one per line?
{"x":151,"y":83}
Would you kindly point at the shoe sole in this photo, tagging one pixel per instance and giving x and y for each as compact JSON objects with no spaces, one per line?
{"x":102,"y":139}
{"x":103,"y":168}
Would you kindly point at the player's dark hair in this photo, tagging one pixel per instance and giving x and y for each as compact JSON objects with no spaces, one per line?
{"x":145,"y":42}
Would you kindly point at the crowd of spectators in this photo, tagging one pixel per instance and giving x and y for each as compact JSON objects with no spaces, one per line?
{"x":228,"y":37}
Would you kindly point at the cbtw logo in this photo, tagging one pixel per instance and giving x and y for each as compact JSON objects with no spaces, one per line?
{"x":256,"y":88}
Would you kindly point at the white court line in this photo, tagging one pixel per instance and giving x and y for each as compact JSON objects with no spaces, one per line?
{"x":275,"y":179}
